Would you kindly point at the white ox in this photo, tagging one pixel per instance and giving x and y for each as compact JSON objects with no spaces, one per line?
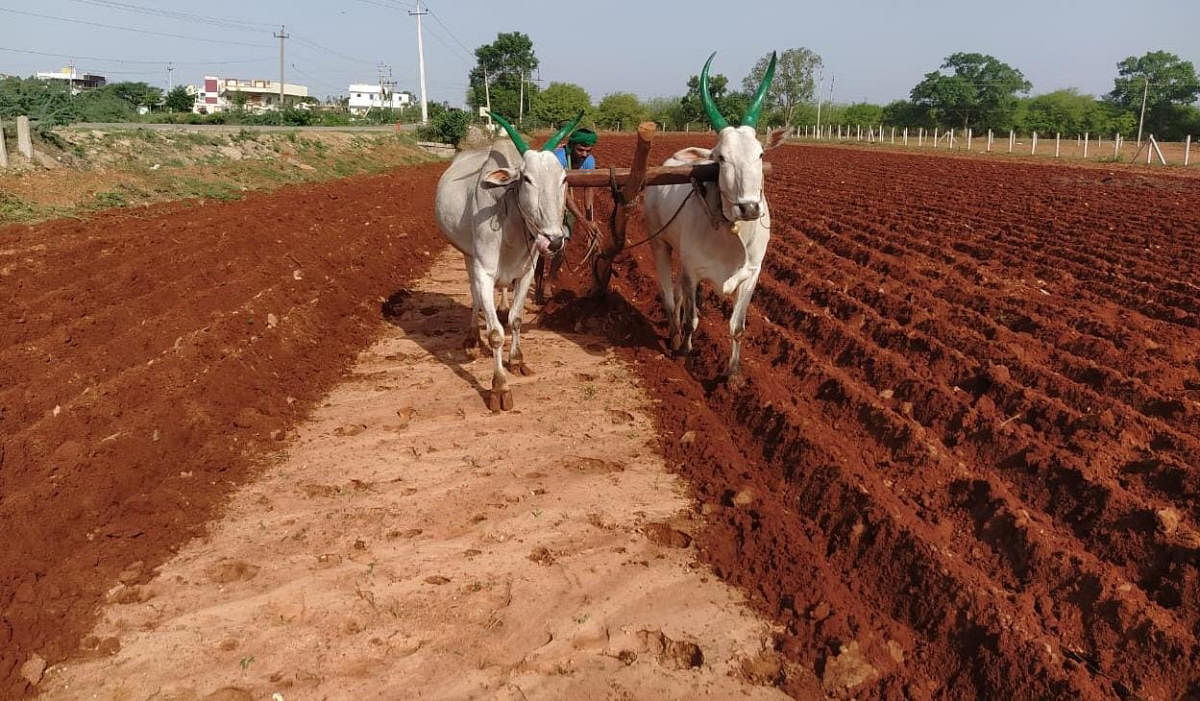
{"x":720,"y":233}
{"x":503,"y":207}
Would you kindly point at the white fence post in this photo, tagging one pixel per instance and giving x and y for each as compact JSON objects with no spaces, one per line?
{"x":1033,"y":148}
{"x":1057,"y":143}
{"x":935,"y":137}
{"x":906,"y":136}
{"x":989,"y":145}
{"x":24,"y":141}
{"x":1085,"y":144}
{"x":858,"y":133}
{"x":893,"y":136}
{"x":921,"y":137}
{"x":1157,"y":150}
{"x":1187,"y":150}
{"x":3,"y":148}
{"x":1012,"y":139}
{"x":950,"y":143}
{"x":970,"y":134}
{"x":1116,"y":144}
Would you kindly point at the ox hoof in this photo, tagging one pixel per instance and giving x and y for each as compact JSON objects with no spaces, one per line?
{"x":676,"y":342}
{"x":500,"y":400}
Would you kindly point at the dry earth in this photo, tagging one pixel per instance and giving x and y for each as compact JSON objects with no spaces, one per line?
{"x":408,"y":544}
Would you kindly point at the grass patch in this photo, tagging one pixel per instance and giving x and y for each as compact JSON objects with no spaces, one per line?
{"x":15,"y":209}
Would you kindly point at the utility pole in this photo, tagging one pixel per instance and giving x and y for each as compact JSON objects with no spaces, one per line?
{"x":487,"y":97}
{"x":421,"y":62}
{"x":1142,"y":119}
{"x":170,"y":82}
{"x":818,"y":129}
{"x":281,"y":36}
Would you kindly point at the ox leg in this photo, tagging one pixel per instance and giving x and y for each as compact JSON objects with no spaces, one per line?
{"x":662,"y":267}
{"x":516,"y":360}
{"x":689,"y":315}
{"x":484,"y":286}
{"x":737,"y":328}
{"x":473,"y":341}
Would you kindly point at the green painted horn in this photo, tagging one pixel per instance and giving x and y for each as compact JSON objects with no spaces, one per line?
{"x":552,"y":142}
{"x":522,"y":147}
{"x":755,"y":109}
{"x":710,"y":108}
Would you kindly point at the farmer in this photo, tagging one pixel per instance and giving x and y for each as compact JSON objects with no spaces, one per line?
{"x":577,"y":154}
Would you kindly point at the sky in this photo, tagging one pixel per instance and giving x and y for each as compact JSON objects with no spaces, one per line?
{"x":873,"y":50}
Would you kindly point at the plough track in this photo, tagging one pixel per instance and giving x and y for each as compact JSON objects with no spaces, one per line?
{"x":975,"y":408}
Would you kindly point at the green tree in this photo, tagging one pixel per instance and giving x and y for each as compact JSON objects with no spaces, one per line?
{"x":1170,"y":85}
{"x":794,"y":81}
{"x":47,"y":101}
{"x":179,"y":100}
{"x":449,"y":127}
{"x":980,"y":91}
{"x":559,"y":103}
{"x":135,"y":94}
{"x":730,"y":105}
{"x":662,"y":110}
{"x":506,"y":64}
{"x":620,"y":110}
{"x":904,"y":113}
{"x":863,"y":114}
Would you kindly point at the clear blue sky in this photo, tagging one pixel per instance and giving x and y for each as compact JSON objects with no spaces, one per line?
{"x":877,"y":49}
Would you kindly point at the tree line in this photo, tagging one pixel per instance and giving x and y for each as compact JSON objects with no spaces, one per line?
{"x":969,"y":90}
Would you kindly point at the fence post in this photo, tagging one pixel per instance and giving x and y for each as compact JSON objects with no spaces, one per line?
{"x":935,"y":137}
{"x":989,"y":143}
{"x":1057,"y":143}
{"x":920,"y":137}
{"x":3,"y":148}
{"x":906,"y":136}
{"x":1187,"y":148}
{"x":893,"y":136}
{"x":1085,"y":144}
{"x":1033,"y":148}
{"x":950,"y":143}
{"x":858,"y":133}
{"x":970,"y":133}
{"x":1011,"y":140}
{"x":24,"y":142}
{"x":1157,"y":150}
{"x":1116,"y":144}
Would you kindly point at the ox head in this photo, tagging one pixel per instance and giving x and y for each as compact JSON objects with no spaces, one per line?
{"x":541,"y":185}
{"x":738,"y":151}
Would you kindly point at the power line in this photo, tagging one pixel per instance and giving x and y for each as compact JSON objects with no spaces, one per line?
{"x":228,"y":23}
{"x":312,"y":44}
{"x":126,"y":60}
{"x":470,"y":54}
{"x":132,"y":29}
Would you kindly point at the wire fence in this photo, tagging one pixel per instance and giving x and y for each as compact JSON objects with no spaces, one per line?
{"x":1085,"y":146}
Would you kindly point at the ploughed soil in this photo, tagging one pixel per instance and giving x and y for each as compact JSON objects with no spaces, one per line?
{"x":964,"y":463}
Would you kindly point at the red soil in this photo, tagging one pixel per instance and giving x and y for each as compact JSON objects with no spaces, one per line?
{"x":968,"y":441}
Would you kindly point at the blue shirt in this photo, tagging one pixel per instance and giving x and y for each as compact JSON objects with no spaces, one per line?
{"x":589,"y":163}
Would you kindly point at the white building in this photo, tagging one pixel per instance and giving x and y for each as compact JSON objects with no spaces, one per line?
{"x":221,"y":94}
{"x":78,"y":81}
{"x":364,"y":96}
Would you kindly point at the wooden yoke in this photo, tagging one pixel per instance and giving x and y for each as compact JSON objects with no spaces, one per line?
{"x":659,"y":175}
{"x":632,"y":184}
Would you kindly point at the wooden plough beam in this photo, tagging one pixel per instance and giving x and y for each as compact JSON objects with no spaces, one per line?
{"x":630,"y":182}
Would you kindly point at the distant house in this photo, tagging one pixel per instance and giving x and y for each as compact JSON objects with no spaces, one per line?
{"x":78,"y":81}
{"x":364,"y":96}
{"x":222,"y":94}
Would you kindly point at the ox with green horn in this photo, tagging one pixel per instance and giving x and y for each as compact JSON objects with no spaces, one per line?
{"x":550,"y":144}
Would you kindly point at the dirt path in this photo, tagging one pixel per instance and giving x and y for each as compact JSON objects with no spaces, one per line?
{"x":407,"y":541}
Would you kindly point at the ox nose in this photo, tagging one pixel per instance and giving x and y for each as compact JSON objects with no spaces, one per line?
{"x":556,"y":244}
{"x":746,"y":211}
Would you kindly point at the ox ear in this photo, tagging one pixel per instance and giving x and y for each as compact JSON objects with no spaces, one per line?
{"x":693,"y":154}
{"x":774,"y":138}
{"x":501,"y":177}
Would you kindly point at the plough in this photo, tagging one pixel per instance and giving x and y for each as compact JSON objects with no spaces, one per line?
{"x":626,"y":184}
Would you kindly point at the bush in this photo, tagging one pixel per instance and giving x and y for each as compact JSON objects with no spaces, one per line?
{"x":449,"y":127}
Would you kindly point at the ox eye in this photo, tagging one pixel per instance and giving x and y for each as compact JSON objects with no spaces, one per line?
{"x":720,"y":159}
{"x":526,"y":179}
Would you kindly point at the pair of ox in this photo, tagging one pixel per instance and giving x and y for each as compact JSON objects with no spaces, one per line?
{"x":503,"y":209}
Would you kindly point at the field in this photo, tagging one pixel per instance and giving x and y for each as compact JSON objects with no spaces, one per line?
{"x":965,"y":457}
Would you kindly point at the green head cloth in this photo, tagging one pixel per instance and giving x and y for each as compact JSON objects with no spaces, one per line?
{"x":584,"y":136}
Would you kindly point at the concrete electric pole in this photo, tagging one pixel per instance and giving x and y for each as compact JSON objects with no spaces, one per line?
{"x":421,"y":62}
{"x":281,"y":36}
